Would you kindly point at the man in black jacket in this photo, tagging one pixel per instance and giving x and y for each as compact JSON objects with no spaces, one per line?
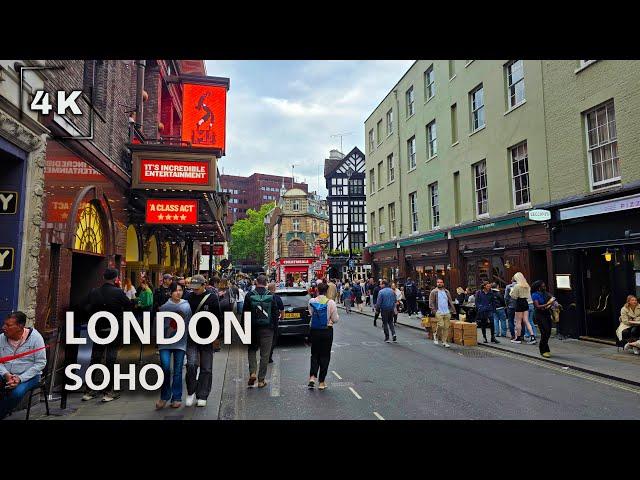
{"x":162,"y":293}
{"x":112,"y":299}
{"x":201,"y":355}
{"x":411,"y":294}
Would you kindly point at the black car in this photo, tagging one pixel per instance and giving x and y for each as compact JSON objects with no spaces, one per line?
{"x":296,"y":311}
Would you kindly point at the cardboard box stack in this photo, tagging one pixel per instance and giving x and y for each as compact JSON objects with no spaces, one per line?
{"x":465,"y":333}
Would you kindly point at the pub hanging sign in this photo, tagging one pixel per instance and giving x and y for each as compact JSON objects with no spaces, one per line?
{"x":204,"y":109}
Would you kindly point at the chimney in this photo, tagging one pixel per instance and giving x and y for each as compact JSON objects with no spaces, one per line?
{"x":336,"y":155}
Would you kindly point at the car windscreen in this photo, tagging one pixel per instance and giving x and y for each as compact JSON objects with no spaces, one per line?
{"x":295,"y":299}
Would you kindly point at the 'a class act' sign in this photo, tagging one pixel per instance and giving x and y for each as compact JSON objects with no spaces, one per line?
{"x":180,"y":212}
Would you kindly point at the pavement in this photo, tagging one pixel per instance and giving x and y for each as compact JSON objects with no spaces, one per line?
{"x":595,"y":358}
{"x":369,"y":379}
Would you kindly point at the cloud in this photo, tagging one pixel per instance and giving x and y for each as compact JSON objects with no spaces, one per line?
{"x":281,"y":113}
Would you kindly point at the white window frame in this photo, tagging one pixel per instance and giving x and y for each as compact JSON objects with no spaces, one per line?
{"x":476,"y":189}
{"x":371,"y":140}
{"x":510,"y":85}
{"x":295,"y":205}
{"x":391,"y":171}
{"x":392,"y":219}
{"x":411,"y":153}
{"x":374,"y":227}
{"x":452,"y":71}
{"x":295,"y":224}
{"x":372,"y":183}
{"x":610,"y":143}
{"x":432,"y":140}
{"x":513,"y":161}
{"x":379,"y":170}
{"x":413,"y":211}
{"x":390,"y":122}
{"x":434,"y":197}
{"x":429,"y":83}
{"x":475,"y":109}
{"x":410,"y":101}
{"x":379,"y":132}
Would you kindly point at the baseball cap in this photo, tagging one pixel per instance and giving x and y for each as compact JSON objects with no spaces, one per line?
{"x":197,"y":281}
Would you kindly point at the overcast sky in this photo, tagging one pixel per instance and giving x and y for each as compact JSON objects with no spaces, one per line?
{"x":281,"y":113}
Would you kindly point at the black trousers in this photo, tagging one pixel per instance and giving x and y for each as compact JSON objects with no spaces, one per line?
{"x":543,"y":320}
{"x":387,"y":323}
{"x":109,"y":353}
{"x":273,"y":344}
{"x":412,"y":306}
{"x":321,"y":341}
{"x":631,"y":333}
{"x":486,"y":319}
{"x":199,"y":356}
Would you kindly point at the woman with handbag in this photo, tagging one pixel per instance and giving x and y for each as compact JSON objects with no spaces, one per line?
{"x":521,"y":293}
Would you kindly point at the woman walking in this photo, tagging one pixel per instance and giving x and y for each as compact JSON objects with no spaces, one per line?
{"x":542,"y":302}
{"x":324,"y":314}
{"x":346,"y":297}
{"x":398,"y":293}
{"x":357,"y":290}
{"x":521,"y":293}
{"x":172,"y":384}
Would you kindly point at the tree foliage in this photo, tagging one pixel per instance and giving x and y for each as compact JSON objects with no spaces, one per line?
{"x":247,"y":235}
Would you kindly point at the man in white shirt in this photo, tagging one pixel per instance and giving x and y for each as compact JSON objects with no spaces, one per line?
{"x":441,"y":305}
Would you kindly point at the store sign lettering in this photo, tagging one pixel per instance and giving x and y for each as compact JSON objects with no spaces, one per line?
{"x":619,"y":205}
{"x":8,"y":202}
{"x":181,"y":212}
{"x":7,"y":255}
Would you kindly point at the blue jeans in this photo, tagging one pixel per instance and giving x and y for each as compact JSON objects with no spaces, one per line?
{"x":9,"y":399}
{"x":500,"y":322}
{"x":172,"y":384}
{"x":533,"y":325}
{"x":511,"y":316}
{"x":239,"y":308}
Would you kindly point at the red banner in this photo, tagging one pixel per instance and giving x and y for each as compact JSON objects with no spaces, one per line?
{"x":180,"y":212}
{"x":204,"y":115}
{"x":218,"y":249}
{"x":296,"y":261}
{"x":175,"y":172}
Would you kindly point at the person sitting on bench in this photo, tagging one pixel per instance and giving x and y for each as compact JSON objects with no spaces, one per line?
{"x":19,"y":375}
{"x":629,"y":329}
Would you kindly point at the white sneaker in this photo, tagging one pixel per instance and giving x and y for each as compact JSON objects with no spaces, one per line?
{"x":190,"y":400}
{"x":202,"y":403}
{"x":446,"y":345}
{"x":435,"y":341}
{"x":636,"y":351}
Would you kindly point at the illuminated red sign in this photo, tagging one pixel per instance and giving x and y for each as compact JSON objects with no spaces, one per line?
{"x":182,"y":212}
{"x":204,"y":115}
{"x":218,"y":249}
{"x":174,"y":172}
{"x":296,"y":261}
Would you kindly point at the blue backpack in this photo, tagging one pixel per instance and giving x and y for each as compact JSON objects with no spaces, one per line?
{"x":320,"y":317}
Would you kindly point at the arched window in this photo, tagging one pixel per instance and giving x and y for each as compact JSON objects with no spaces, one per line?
{"x":296,"y":248}
{"x":90,"y":231}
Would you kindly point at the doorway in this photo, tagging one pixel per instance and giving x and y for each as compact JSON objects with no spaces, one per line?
{"x":86,"y":272}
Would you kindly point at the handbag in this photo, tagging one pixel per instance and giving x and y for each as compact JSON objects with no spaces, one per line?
{"x":425,"y":322}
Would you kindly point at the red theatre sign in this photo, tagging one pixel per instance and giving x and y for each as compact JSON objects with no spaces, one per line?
{"x":172,"y":212}
{"x":174,"y":172}
{"x":204,"y":115}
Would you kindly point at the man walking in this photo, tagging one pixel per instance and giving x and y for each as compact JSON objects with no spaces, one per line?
{"x":332,"y":292}
{"x":386,"y":303}
{"x":162,"y":293}
{"x":107,"y":298}
{"x":500,"y":315}
{"x":200,"y":356}
{"x":441,"y":305}
{"x":485,"y":307}
{"x":272,"y":290}
{"x":411,"y":294}
{"x":264,"y":314}
{"x":370,"y":287}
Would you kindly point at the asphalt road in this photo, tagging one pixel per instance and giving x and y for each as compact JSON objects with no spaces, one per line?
{"x":415,"y":379}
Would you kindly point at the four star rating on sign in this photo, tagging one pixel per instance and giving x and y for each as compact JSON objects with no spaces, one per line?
{"x":174,"y":217}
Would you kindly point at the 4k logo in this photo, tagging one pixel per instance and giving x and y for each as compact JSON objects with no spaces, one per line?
{"x":65,"y":102}
{"x":41,"y":102}
{"x":6,"y":259}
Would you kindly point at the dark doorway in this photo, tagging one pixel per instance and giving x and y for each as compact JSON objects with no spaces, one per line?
{"x":86,"y":272}
{"x":597,"y":294}
{"x":539,"y":266}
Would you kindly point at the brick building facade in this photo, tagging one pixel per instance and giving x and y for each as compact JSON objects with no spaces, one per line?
{"x":253,"y":192}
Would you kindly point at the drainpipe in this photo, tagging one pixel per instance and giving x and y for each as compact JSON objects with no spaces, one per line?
{"x":140,"y":66}
{"x":395,"y":93}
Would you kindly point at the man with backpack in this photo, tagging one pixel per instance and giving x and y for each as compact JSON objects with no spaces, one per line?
{"x":411,"y":295}
{"x":264,"y":319}
{"x":324,"y":313}
{"x":201,"y":356}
